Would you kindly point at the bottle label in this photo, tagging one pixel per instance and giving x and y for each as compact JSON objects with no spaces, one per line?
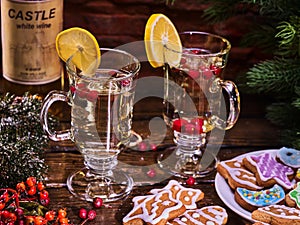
{"x":29,"y":29}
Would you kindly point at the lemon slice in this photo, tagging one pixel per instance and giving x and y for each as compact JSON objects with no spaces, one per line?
{"x":82,"y":46}
{"x":160,"y":32}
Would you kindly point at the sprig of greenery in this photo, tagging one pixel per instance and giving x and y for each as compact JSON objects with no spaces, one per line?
{"x":22,"y":140}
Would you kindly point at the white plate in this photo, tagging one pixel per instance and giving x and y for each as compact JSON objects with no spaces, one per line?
{"x":227,"y":195}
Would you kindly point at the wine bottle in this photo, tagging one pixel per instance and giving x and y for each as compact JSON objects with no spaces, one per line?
{"x":29,"y":29}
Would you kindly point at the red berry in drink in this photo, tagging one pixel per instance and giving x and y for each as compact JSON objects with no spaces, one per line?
{"x":92,"y":95}
{"x":178,"y":124}
{"x":194,"y":74}
{"x":91,"y":214}
{"x":206,"y":73}
{"x":82,"y":213}
{"x":190,"y":181}
{"x":97,"y":202}
{"x":216,"y":70}
{"x":198,"y":123}
{"x":125,"y":83}
{"x":82,"y":93}
{"x":72,"y":89}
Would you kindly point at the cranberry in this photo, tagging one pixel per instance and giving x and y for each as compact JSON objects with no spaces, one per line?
{"x":142,"y":146}
{"x":206,"y":72}
{"x":125,"y":83}
{"x":92,"y":96}
{"x":153,"y":147}
{"x":198,"y":123}
{"x":97,"y":202}
{"x":178,"y":124}
{"x":151,"y":173}
{"x":81,"y":86}
{"x":82,"y":93}
{"x":217,"y":70}
{"x":83,"y":213}
{"x":190,"y":181}
{"x":72,"y":89}
{"x":194,"y":74}
{"x":91,"y":214}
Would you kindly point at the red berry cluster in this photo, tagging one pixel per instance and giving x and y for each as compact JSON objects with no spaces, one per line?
{"x":84,"y":92}
{"x":16,"y":205}
{"x":193,"y":127}
{"x":32,"y":189}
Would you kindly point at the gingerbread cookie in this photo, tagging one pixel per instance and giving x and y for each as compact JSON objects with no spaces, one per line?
{"x":237,"y":175}
{"x":188,"y":196}
{"x":293,"y":197}
{"x":251,"y":200}
{"x":162,"y":205}
{"x":154,"y":209}
{"x":277,"y":215}
{"x":269,"y":171}
{"x":210,"y":215}
{"x":289,"y":157}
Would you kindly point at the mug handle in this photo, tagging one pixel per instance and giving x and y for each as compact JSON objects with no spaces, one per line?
{"x":52,"y":97}
{"x":234,"y":105}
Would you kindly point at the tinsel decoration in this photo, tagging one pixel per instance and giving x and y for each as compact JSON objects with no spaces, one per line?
{"x":22,"y":140}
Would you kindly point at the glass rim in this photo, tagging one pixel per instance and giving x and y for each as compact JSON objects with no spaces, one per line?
{"x":222,"y":52}
{"x":86,"y":77}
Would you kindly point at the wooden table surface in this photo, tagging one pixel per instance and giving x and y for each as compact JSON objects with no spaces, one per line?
{"x":252,"y":132}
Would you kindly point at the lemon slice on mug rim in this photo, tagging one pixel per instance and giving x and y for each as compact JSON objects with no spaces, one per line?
{"x":82,"y":46}
{"x":160,"y":32}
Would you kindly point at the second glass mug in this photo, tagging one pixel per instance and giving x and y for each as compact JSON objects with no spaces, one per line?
{"x":194,"y":103}
{"x":101,"y":117}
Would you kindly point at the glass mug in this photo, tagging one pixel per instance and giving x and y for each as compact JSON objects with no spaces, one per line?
{"x":101,"y":117}
{"x":194,"y":103}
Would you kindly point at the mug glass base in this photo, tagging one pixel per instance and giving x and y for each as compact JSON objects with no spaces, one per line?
{"x":86,"y":185}
{"x":182,"y":165}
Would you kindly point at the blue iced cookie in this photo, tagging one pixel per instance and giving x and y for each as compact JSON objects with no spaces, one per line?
{"x":252,"y":200}
{"x":289,"y":156}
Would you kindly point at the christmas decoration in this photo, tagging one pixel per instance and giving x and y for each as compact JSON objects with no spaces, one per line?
{"x":22,"y":139}
{"x":277,"y":31}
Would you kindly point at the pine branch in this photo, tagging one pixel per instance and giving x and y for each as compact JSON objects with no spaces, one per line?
{"x":22,"y":140}
{"x":262,"y":36}
{"x":280,"y":114}
{"x":289,"y":37}
{"x":277,"y":76}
